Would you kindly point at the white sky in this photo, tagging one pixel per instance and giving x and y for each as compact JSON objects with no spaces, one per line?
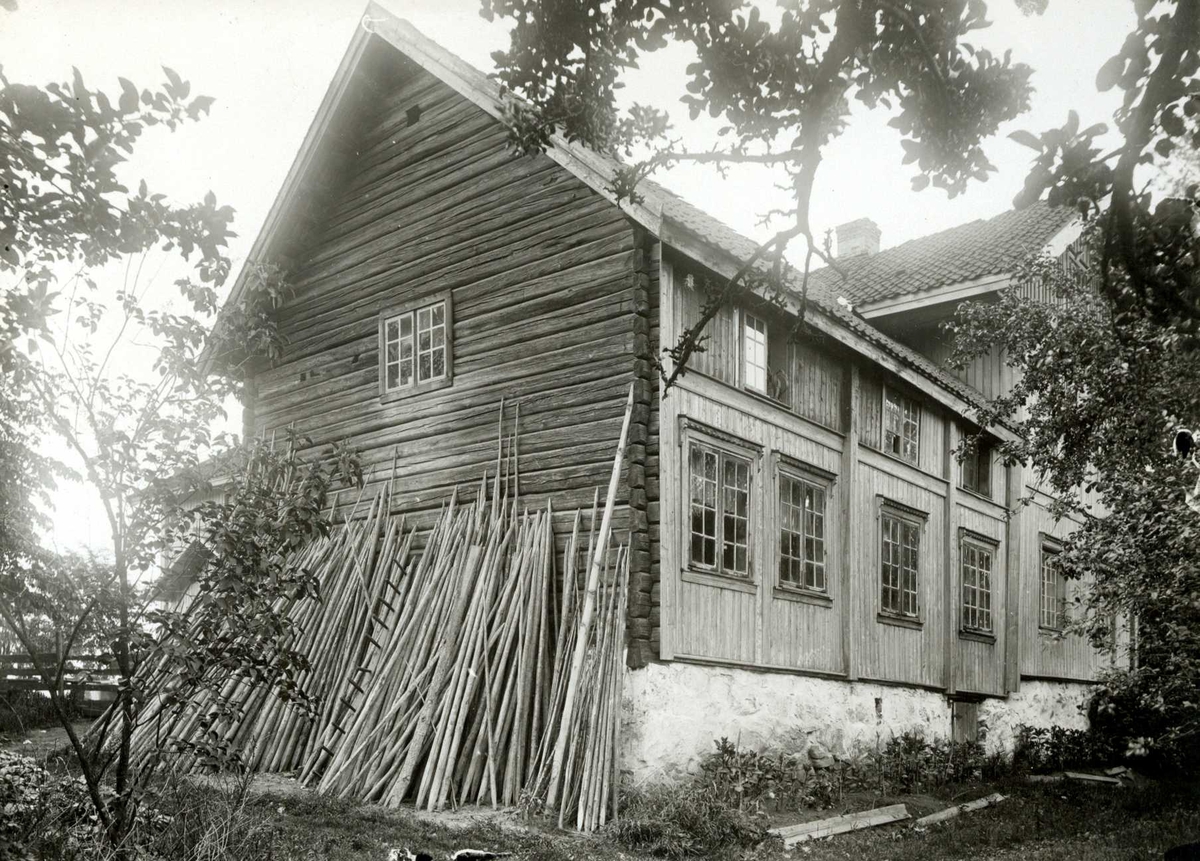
{"x":268,"y":63}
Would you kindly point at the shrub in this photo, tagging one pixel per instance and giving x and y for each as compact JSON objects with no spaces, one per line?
{"x":1129,"y":715}
{"x":24,"y":789}
{"x":691,"y":820}
{"x":909,"y":762}
{"x":21,"y":711}
{"x":1055,"y":748}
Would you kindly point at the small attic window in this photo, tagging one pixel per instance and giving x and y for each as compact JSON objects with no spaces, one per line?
{"x":416,"y":347}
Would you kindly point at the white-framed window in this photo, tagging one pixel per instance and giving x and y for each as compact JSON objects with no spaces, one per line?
{"x":900,"y":530}
{"x":755,"y":371}
{"x":901,"y":425}
{"x":1052,"y":596}
{"x":976,"y":557}
{"x":415,"y":347}
{"x":802,"y":530}
{"x":719,"y":509}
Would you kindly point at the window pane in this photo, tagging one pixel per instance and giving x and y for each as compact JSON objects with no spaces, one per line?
{"x":406,"y":325}
{"x":393,"y":376}
{"x":392,"y":329}
{"x":439,"y":363}
{"x":754,"y":351}
{"x":424,"y":367}
{"x":735,"y":506}
{"x":703,"y":481}
{"x":439,"y":313}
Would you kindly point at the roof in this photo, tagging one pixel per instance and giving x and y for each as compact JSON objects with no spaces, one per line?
{"x":981,"y":248}
{"x":666,"y":215}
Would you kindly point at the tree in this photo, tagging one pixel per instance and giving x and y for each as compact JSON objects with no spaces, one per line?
{"x":783,"y":89}
{"x":1097,"y":402}
{"x":77,"y":367}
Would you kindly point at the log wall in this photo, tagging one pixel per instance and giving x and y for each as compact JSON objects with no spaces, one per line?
{"x":546,"y":289}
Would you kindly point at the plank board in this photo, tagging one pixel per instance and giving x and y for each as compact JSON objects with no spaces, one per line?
{"x":794,"y":834}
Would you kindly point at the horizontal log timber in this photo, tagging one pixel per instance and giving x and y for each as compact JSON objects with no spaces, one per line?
{"x":501,"y":270}
{"x":479,"y":352}
{"x":591,"y":346}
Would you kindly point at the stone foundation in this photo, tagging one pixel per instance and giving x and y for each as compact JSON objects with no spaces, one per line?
{"x":674,"y":712}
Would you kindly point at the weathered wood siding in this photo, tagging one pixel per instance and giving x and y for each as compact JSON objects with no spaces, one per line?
{"x":545,"y":293}
{"x":978,"y":665}
{"x":753,"y":622}
{"x":1045,"y":654}
{"x":989,"y":373}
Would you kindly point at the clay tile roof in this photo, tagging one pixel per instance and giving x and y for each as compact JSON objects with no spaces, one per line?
{"x":974,"y":250}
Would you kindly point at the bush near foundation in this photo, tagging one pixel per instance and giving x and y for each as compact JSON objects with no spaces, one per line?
{"x":1041,"y":749}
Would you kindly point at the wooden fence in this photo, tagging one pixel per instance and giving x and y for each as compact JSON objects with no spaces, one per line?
{"x":81,"y":675}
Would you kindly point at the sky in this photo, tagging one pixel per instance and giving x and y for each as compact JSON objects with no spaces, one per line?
{"x":268,"y":63}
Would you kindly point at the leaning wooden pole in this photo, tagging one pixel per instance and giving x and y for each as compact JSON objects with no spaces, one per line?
{"x":589,"y":609}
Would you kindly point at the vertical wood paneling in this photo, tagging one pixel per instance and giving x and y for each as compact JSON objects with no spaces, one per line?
{"x":1042,"y":653}
{"x":817,"y":383}
{"x":891,"y":652}
{"x":931,"y":448}
{"x":870,"y":410}
{"x":719,"y":359}
{"x":979,"y":667}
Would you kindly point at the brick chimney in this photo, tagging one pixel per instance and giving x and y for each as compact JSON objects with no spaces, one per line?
{"x":857,"y":238}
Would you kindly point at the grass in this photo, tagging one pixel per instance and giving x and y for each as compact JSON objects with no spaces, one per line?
{"x":1037,"y":822}
{"x":1042,"y":822}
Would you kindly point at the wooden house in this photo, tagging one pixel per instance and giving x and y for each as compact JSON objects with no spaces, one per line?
{"x":806,"y":550}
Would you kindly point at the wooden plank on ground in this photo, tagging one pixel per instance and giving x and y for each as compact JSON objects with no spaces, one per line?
{"x":951,"y":812}
{"x":793,"y":834}
{"x":1092,"y":778}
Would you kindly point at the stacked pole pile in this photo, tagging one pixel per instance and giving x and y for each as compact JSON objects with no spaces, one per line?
{"x":470,"y":673}
{"x":359,"y":569}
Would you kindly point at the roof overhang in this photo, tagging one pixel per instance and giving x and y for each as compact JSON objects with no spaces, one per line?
{"x":1054,"y":247}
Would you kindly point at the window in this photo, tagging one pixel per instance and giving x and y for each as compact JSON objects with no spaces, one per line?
{"x":754,"y":353}
{"x":1053,"y":595}
{"x":901,"y":419}
{"x":976,"y":562}
{"x":719,"y":510}
{"x":415,"y":347}
{"x":977,"y":469}
{"x":900,"y":549}
{"x":801,"y":533}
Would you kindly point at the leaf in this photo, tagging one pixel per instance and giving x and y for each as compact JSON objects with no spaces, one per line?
{"x":199,"y":105}
{"x":919,"y":183}
{"x":128,"y":102}
{"x":1025,"y":138}
{"x":1172,"y":123}
{"x":1110,"y":73}
{"x":175,"y":83}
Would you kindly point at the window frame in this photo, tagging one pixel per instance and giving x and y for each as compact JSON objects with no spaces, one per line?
{"x":902,"y":398}
{"x":744,"y":318}
{"x":1050,"y":546}
{"x":983,"y":452}
{"x":908,"y":516}
{"x":985,"y":544}
{"x":412,"y":309}
{"x":788,"y":469}
{"x":726,"y":447}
